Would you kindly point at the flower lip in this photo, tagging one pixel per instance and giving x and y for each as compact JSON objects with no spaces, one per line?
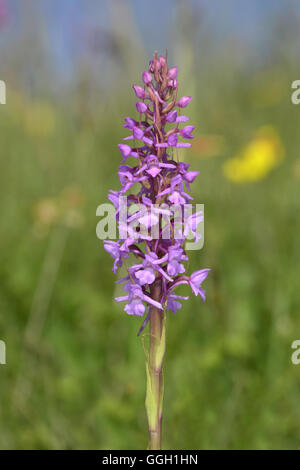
{"x":172,"y":303}
{"x":146,"y":276}
{"x":196,"y":280}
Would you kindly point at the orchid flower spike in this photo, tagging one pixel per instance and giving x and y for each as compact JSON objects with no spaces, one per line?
{"x":155,"y":176}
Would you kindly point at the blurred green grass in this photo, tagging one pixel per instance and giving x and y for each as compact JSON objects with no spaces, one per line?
{"x":75,"y":373}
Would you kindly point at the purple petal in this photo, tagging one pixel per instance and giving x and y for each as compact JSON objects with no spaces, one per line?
{"x":184,"y":101}
{"x":152,"y":302}
{"x":171,"y":116}
{"x":144,"y":324}
{"x":172,"y":74}
{"x":139,"y":91}
{"x":190,"y":176}
{"x":136,"y":307}
{"x":145,"y":276}
{"x":147,"y":78}
{"x":182,"y":119}
{"x":138,"y":133}
{"x":153,"y":171}
{"x":141,"y":107}
{"x":125,"y":150}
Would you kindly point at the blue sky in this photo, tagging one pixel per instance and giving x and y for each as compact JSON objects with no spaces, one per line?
{"x":246,"y":19}
{"x":68,"y":22}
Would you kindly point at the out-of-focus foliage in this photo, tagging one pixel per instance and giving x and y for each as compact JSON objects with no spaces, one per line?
{"x":75,"y":374}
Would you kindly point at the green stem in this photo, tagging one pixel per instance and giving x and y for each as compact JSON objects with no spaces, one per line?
{"x":154,"y":394}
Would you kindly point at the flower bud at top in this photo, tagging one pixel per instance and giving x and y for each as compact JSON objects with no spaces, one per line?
{"x":184,"y":101}
{"x":162,"y":60}
{"x":172,"y":74}
{"x":139,"y":91}
{"x":147,"y":78}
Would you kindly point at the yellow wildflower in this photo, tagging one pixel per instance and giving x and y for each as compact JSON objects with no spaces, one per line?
{"x":259,"y":157}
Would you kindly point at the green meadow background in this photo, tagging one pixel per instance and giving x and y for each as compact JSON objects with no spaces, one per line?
{"x":75,"y":375}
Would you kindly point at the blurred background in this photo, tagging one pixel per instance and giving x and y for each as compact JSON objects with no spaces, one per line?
{"x":75,"y":374}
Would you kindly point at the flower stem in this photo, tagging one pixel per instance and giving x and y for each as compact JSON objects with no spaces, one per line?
{"x":154,"y":394}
